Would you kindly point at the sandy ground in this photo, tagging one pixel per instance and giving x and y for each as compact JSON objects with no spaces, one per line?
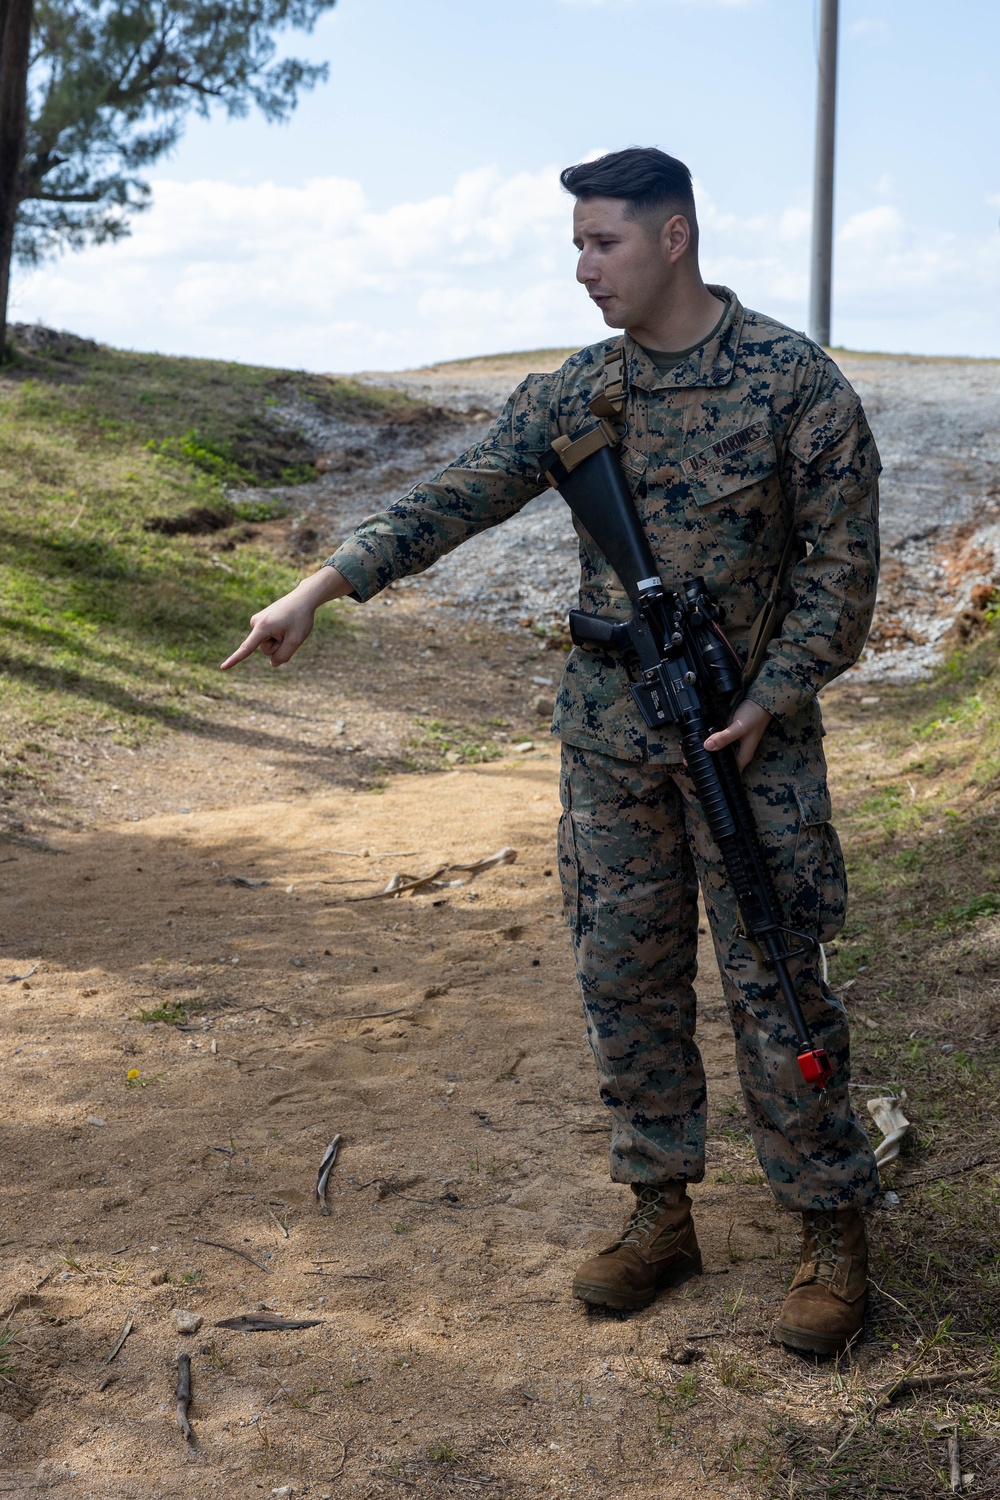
{"x":472,"y":1175}
{"x":449,"y":1356}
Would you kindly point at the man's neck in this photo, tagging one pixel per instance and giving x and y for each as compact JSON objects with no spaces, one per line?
{"x":681,"y":321}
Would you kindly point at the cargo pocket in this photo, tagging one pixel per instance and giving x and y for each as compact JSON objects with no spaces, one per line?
{"x":819,"y":902}
{"x":569,"y":870}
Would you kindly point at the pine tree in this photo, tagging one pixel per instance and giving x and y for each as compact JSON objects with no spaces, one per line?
{"x":92,"y":93}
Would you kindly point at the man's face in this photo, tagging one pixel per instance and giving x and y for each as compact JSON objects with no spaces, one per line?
{"x":626,"y":269}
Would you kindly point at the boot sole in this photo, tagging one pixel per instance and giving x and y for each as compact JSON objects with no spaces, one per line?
{"x":603,"y":1296}
{"x":806,"y":1341}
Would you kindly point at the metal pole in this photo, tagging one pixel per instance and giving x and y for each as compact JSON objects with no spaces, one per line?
{"x":821,"y":280}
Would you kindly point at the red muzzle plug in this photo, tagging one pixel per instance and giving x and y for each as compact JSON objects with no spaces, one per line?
{"x":815,"y":1066}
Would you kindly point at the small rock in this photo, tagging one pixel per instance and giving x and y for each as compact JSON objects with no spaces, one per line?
{"x":523,"y":747}
{"x":543,"y":706}
{"x":185,"y":1321}
{"x":284,"y":1489}
{"x":95,"y":1120}
{"x":158,"y":1278}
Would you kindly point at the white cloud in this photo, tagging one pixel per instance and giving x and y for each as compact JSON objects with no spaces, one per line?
{"x":313,"y":276}
{"x":867,"y":27}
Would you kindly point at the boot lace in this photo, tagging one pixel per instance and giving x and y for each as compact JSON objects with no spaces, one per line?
{"x":828,"y":1242}
{"x":643,"y":1216}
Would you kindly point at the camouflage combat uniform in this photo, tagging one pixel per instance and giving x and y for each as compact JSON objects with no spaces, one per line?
{"x":754,"y":434}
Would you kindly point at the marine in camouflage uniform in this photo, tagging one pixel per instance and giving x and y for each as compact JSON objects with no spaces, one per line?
{"x":751,"y":437}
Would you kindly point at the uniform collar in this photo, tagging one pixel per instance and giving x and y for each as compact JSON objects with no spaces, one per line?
{"x":710,"y":364}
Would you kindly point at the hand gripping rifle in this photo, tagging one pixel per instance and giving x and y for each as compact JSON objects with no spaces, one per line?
{"x":685,"y":672}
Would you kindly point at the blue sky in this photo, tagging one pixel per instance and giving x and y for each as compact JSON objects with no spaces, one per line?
{"x":410,"y":211}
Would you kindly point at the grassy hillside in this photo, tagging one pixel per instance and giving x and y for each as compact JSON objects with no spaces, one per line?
{"x":127,"y":560}
{"x":916,"y":771}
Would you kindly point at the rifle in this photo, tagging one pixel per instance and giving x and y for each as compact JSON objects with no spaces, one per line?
{"x":685,"y":672}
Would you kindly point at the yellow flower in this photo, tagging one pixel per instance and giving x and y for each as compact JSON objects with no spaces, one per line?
{"x":132,"y":1073}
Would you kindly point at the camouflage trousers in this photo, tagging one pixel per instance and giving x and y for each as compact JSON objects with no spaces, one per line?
{"x":633,"y":848}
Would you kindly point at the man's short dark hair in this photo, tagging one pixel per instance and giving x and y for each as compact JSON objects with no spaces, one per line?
{"x":649,"y":180}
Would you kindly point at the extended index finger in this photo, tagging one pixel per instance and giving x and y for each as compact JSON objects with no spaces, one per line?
{"x":256,"y":638}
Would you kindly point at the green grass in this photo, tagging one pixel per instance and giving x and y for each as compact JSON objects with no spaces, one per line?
{"x":919,"y":967}
{"x":170,"y":1013}
{"x":109,"y":626}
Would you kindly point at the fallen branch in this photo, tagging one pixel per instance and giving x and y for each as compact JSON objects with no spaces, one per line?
{"x":184,"y":1395}
{"x":969,"y":1166}
{"x":13,"y":978}
{"x":915,"y":1383}
{"x":887,"y":1394}
{"x":121,"y":1339}
{"x":371,"y":1015}
{"x":407,"y":885}
{"x":428,"y":1202}
{"x":274,"y":1216}
{"x":218,"y":1245}
{"x":954,"y":1463}
{"x":336,"y":1473}
{"x":266,"y":1323}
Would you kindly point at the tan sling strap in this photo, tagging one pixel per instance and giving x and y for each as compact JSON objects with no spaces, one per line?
{"x":763,"y":628}
{"x":609,"y":407}
{"x":610,"y":403}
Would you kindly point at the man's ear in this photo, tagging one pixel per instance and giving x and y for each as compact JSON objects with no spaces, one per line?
{"x":675,"y":237}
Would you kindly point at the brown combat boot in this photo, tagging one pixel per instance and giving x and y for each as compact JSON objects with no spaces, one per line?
{"x":657,"y":1247}
{"x":825,"y":1306}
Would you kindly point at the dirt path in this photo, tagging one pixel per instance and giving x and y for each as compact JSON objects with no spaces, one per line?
{"x":449,"y":1357}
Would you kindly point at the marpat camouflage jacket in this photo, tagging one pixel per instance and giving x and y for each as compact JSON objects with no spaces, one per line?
{"x":755,"y":433}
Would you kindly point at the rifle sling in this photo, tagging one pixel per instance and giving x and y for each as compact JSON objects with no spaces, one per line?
{"x":609,"y":407}
{"x":764,"y":626}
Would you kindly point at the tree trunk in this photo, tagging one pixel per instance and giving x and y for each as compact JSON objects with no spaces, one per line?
{"x":15,"y":42}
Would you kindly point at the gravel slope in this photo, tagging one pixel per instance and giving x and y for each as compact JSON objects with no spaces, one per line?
{"x":937,"y":422}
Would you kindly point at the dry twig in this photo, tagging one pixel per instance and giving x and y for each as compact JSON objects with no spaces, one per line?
{"x":370,"y":1015}
{"x":121,"y":1339}
{"x":325,"y":1168}
{"x":914,"y":1383}
{"x":218,"y":1245}
{"x":184,"y":1395}
{"x":954,"y":1463}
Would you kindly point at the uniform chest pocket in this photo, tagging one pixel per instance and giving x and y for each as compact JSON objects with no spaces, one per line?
{"x":727,"y":476}
{"x":634,"y":466}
